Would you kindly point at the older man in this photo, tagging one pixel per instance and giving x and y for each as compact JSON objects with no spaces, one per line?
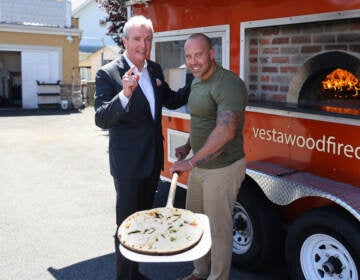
{"x":130,"y":93}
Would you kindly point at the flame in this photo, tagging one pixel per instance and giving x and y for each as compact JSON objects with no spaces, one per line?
{"x":338,"y":110}
{"x":341,"y":83}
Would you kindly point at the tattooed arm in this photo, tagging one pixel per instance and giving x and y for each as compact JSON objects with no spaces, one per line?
{"x":227,"y":123}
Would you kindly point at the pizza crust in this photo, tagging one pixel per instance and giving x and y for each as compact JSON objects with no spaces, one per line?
{"x":161,"y":231}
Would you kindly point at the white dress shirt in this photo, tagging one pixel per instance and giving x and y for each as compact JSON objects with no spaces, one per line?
{"x":145,"y":85}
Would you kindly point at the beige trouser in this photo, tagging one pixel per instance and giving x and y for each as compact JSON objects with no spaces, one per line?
{"x":214,"y":192}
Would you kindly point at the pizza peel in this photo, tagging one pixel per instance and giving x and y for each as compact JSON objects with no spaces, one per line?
{"x":193,"y":253}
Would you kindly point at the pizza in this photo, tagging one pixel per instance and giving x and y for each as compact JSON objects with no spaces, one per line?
{"x":160,"y":231}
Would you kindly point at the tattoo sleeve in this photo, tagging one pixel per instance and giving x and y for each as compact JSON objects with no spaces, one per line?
{"x":229,"y":119}
{"x":227,"y":123}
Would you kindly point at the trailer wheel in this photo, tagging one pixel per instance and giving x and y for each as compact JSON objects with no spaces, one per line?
{"x":257,"y":231}
{"x":324,"y":244}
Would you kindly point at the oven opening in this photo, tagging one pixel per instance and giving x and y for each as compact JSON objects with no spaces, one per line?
{"x":328,"y":82}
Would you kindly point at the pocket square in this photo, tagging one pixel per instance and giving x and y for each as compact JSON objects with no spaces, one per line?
{"x":158,"y":82}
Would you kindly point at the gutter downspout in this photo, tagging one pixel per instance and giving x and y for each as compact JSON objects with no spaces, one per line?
{"x":128,"y":12}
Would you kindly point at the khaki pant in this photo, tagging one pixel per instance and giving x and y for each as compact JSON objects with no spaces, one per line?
{"x":214,"y":192}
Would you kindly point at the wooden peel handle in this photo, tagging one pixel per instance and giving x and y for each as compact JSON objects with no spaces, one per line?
{"x":172,"y":190}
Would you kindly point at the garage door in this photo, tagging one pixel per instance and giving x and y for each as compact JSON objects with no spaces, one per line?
{"x":38,"y":65}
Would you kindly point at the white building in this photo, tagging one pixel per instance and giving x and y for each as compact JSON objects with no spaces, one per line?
{"x":94,"y":35}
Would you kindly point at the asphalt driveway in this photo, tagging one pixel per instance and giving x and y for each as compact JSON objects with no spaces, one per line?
{"x":57,"y":201}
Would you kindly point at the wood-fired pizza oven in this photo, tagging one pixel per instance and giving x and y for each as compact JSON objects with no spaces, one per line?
{"x":287,"y":62}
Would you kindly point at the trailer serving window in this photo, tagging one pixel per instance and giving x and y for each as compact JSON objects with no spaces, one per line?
{"x":168,"y":51}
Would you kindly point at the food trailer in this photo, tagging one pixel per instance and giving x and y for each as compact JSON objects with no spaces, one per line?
{"x":300,"y":61}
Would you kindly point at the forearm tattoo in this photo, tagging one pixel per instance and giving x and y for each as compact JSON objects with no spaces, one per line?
{"x":210,"y":156}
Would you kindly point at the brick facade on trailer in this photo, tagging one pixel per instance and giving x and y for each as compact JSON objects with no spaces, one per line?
{"x":274,"y":54}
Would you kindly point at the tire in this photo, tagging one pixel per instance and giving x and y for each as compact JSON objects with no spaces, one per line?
{"x":324,"y":243}
{"x":257,"y":231}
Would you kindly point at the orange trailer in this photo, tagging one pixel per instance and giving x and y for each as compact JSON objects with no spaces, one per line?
{"x":301,"y":63}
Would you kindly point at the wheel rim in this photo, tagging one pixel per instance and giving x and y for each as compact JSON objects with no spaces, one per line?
{"x":324,"y":257}
{"x":242,"y":230}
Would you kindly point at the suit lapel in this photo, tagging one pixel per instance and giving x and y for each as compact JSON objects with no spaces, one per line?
{"x":140,"y":95}
{"x":153,"y":78}
{"x":123,"y":66}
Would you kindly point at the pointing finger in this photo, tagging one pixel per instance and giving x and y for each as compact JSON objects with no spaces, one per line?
{"x":130,"y":71}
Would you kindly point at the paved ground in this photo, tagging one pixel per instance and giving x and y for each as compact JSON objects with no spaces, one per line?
{"x":57,"y":201}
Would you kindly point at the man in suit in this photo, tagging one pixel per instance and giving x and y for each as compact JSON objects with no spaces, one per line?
{"x":130,"y":93}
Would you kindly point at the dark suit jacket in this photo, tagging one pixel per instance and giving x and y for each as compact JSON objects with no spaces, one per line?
{"x":134,"y":136}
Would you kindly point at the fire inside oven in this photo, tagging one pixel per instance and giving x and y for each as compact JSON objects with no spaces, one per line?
{"x":340,"y":84}
{"x":340,"y":92}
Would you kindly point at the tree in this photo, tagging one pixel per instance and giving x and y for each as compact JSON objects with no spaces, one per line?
{"x":117,"y":16}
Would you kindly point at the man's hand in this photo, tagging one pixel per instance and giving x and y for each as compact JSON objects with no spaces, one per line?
{"x":182,"y":151}
{"x":181,"y":166}
{"x":130,"y":82}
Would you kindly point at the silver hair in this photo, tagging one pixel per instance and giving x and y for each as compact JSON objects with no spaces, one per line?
{"x":136,"y":21}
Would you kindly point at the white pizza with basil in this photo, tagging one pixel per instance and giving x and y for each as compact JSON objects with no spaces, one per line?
{"x":160,"y":231}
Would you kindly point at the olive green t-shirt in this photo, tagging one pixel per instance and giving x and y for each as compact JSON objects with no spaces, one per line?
{"x":223,"y":90}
